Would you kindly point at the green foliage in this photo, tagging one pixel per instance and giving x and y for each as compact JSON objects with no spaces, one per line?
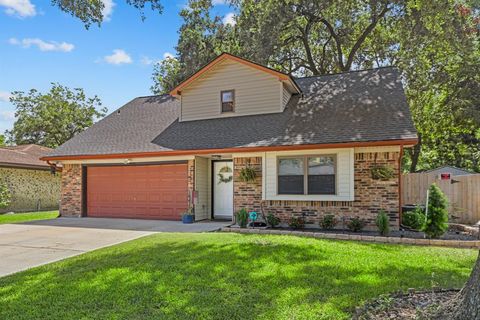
{"x":273,"y":220}
{"x":2,"y":140}
{"x":436,"y":223}
{"x":382,"y":172}
{"x":242,"y":218}
{"x":328,"y":222}
{"x":383,"y":223}
{"x":5,"y":195}
{"x":52,"y":118}
{"x":414,"y":219}
{"x":296,"y":222}
{"x":91,"y":11}
{"x":356,"y":224}
{"x":247,"y":174}
{"x":29,"y":216}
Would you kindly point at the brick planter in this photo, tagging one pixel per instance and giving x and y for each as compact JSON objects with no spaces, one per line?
{"x":469,"y":244}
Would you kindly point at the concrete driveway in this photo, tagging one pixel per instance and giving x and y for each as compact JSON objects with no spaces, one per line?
{"x":31,"y":244}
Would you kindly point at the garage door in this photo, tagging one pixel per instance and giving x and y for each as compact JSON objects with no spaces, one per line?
{"x":147,"y":192}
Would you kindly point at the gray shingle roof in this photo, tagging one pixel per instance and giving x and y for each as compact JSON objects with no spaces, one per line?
{"x":360,"y":106}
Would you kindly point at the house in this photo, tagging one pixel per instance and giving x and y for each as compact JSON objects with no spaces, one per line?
{"x":32,"y":185}
{"x":312,"y":142}
{"x":450,"y":170}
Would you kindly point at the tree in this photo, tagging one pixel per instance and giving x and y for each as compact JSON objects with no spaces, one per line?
{"x":435,"y":44}
{"x":50,"y":119}
{"x":436,"y":223}
{"x":91,"y":11}
{"x":2,"y":140}
{"x":5,"y":195}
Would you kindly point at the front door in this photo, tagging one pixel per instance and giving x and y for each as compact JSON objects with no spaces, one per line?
{"x":223,"y":189}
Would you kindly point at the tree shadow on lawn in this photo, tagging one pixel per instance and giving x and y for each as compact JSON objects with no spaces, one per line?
{"x":219,"y":276}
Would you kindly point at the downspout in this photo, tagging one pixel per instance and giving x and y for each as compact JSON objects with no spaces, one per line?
{"x":400,"y":186}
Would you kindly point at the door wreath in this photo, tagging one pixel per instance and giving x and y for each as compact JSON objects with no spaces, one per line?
{"x":225,"y":175}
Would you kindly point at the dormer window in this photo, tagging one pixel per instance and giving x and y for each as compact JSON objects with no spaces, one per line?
{"x":228,"y":100}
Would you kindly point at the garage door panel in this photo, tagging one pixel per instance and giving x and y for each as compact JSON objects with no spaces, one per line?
{"x":149,"y":192}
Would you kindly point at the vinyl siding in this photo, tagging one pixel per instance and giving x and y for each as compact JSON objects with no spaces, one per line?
{"x":344,"y":173}
{"x":285,"y":96}
{"x":256,"y":92}
{"x":202,"y":187}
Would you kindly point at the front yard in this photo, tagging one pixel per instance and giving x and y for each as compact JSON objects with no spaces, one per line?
{"x":29,"y":216}
{"x":227,"y":276}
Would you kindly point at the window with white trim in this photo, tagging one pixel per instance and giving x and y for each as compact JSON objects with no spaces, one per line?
{"x":307,"y":175}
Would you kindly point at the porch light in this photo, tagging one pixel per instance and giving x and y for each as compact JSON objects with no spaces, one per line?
{"x":216,"y":157}
{"x":127,"y":161}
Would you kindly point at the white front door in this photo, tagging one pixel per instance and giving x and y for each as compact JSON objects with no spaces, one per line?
{"x":223,"y":189}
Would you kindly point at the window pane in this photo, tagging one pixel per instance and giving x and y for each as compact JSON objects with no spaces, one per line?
{"x":227,"y":96}
{"x":290,"y":184}
{"x":227,"y":107}
{"x":290,"y":166}
{"x":321,"y":175}
{"x":321,"y":165}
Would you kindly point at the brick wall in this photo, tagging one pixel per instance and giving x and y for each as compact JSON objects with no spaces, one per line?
{"x":191,"y":181}
{"x":370,"y":195}
{"x":71,"y":195}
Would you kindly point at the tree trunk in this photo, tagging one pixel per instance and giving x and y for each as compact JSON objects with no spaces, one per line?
{"x":467,"y":305}
{"x":415,"y":154}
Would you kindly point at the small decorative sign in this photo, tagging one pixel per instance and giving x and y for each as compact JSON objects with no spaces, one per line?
{"x":445,"y":176}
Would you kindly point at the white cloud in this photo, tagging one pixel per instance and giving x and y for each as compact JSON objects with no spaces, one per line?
{"x":146,"y":60}
{"x":7,"y":115}
{"x":5,"y":96}
{"x":107,"y":9}
{"x":119,"y":56}
{"x":42,"y":45}
{"x":168,"y":55}
{"x":229,"y":19}
{"x":20,"y":8}
{"x":219,"y":2}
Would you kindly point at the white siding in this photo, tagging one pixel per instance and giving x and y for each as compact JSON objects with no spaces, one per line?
{"x":256,"y":92}
{"x":285,"y":96}
{"x":345,"y":175}
{"x":202,"y":187}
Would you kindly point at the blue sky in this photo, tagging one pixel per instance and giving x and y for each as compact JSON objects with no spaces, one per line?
{"x":39,"y":44}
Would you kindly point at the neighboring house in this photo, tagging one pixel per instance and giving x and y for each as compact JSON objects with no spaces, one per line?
{"x":312,"y":142}
{"x":32,"y":185}
{"x":453,"y":171}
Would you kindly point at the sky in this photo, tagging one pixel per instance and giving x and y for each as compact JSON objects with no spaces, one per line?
{"x":40,"y":44}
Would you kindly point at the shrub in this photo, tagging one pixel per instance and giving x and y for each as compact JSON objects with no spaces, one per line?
{"x":328,"y":222}
{"x":296,"y":222}
{"x":356,"y":224}
{"x":414,"y":219}
{"x":242,"y":218}
{"x":273,"y":220}
{"x":382,"y":223}
{"x":5,"y":195}
{"x":247,"y":174}
{"x":436,"y":223}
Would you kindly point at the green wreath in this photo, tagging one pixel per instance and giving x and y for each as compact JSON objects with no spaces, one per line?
{"x":222,"y":178}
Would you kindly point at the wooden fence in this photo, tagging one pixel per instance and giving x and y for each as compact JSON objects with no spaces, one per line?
{"x":463,"y":193}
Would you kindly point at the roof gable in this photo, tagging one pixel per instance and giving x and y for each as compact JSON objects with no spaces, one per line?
{"x":227,"y":56}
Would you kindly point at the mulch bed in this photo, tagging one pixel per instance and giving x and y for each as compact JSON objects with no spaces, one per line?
{"x":413,"y":305}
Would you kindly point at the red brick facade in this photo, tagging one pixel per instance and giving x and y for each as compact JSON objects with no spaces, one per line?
{"x":71,"y":197}
{"x":370,"y":195}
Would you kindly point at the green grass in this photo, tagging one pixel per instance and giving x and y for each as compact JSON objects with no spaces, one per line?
{"x":227,"y":276}
{"x":29,"y":216}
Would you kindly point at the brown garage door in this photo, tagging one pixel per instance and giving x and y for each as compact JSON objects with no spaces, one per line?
{"x":148,"y":192}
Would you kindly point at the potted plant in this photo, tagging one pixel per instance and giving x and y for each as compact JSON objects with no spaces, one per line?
{"x":188,"y":216}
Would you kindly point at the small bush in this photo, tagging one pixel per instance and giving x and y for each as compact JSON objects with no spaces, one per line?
{"x":356,"y":224}
{"x":382,"y":223}
{"x":273,"y":220}
{"x":436,"y":223}
{"x":328,"y":222}
{"x":5,"y":195}
{"x":296,"y":222}
{"x":414,"y":219}
{"x":242,"y":218}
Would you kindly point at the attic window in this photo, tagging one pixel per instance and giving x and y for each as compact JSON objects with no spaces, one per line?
{"x":228,"y":100}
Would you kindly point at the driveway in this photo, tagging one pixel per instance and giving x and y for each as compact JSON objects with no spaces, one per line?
{"x":31,"y":244}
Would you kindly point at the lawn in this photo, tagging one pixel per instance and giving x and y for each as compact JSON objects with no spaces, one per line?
{"x":227,"y":276}
{"x":29,"y":216}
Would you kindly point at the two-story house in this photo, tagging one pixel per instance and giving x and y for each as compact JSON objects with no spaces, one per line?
{"x":314,"y":144}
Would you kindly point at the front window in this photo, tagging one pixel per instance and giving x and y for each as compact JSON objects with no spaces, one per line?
{"x":228,"y":100}
{"x":308,"y":175}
